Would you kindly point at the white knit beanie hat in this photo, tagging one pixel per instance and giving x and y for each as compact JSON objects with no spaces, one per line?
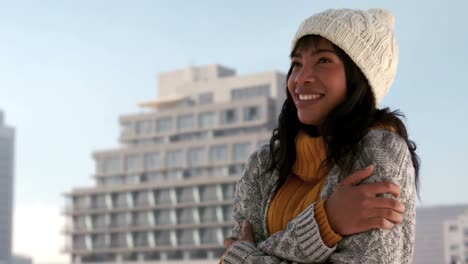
{"x":366,"y":36}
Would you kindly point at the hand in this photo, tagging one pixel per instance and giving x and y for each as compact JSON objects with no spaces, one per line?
{"x":246,"y":235}
{"x":354,"y":208}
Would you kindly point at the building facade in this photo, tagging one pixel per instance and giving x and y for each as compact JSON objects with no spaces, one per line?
{"x":7,"y":138}
{"x":441,"y":235}
{"x":456,"y":239}
{"x":166,"y":194}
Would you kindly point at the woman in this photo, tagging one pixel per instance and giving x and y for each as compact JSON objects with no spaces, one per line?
{"x":295,"y":201}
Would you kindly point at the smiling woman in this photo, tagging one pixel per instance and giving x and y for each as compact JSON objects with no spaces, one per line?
{"x":338,"y":181}
{"x":317,"y":82}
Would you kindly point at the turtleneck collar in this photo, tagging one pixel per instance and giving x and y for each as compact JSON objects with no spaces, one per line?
{"x":310,"y":153}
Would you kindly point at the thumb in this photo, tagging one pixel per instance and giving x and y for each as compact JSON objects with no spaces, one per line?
{"x":357,"y":177}
{"x":247,"y":231}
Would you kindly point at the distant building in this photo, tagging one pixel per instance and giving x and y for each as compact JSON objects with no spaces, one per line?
{"x":7,"y":138}
{"x":456,"y":239}
{"x":166,"y":194}
{"x":441,"y":236}
{"x":19,"y":259}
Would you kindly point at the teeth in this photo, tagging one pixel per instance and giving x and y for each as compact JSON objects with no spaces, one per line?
{"x":309,"y":96}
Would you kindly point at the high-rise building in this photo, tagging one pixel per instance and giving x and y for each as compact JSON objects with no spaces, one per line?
{"x":456,"y":239}
{"x":441,"y":236}
{"x":166,"y":194}
{"x":7,"y":138}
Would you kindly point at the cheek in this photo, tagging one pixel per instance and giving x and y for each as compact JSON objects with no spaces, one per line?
{"x":338,"y":82}
{"x":291,"y":84}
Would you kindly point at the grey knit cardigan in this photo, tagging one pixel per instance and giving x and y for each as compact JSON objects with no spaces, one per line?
{"x":301,"y":241}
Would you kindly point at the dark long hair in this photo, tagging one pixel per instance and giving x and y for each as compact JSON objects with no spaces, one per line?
{"x":344,"y":127}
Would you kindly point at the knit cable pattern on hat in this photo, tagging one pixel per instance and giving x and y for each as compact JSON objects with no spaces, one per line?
{"x":366,"y":36}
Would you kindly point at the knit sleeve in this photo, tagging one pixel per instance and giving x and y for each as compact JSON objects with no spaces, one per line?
{"x":300,"y":242}
{"x":392,"y":159}
{"x":247,"y":205}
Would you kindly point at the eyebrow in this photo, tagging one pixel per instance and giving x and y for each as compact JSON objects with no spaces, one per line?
{"x":315,"y":52}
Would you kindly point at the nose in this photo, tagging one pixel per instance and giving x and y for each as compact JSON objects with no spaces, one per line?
{"x":304,"y":76}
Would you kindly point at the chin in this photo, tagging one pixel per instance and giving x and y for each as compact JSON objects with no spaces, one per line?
{"x":309,"y":122}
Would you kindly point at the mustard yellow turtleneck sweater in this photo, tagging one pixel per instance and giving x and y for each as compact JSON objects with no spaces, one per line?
{"x":302,"y":188}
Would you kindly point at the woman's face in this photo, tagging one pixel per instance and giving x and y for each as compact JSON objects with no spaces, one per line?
{"x":317,"y":83}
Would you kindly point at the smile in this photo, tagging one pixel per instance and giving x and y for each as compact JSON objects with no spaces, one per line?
{"x":304,"y":97}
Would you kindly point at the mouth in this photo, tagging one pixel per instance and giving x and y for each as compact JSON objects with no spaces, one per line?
{"x":309,"y":97}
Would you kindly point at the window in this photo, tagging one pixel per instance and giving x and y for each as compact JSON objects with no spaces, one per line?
{"x":185,"y":216}
{"x":206,"y":119}
{"x":132,"y":163}
{"x":241,"y":151}
{"x":143,"y":127}
{"x":208,"y":214}
{"x":80,"y":202}
{"x":249,"y":92}
{"x":162,"y":196}
{"x":228,"y":116}
{"x":79,"y":223}
{"x":251,"y":113}
{"x":140,"y":218}
{"x":196,"y":156}
{"x":193,"y":172}
{"x":227,"y":212}
{"x":140,"y":239}
{"x":99,"y":241}
{"x":79,"y":242}
{"x":185,"y":237}
{"x":126,"y":129}
{"x":99,"y":221}
{"x":220,"y":171}
{"x":119,"y":200}
{"x":208,"y":236}
{"x":208,"y":193}
{"x":164,"y":124}
{"x":163,"y":217}
{"x":98,"y":201}
{"x":174,"y":158}
{"x":140,"y":198}
{"x":162,"y":238}
{"x":228,"y":191}
{"x":111,"y":165}
{"x":175,"y":174}
{"x":227,"y":231}
{"x":185,"y":195}
{"x":205,"y":98}
{"x":453,"y":228}
{"x":112,"y":180}
{"x":185,"y":122}
{"x":119,"y":220}
{"x":219,"y":153}
{"x":154,"y":176}
{"x":118,"y":240}
{"x":152,"y":161}
{"x":132,"y":178}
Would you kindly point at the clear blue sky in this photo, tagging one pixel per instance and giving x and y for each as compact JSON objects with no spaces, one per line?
{"x":68,"y":69}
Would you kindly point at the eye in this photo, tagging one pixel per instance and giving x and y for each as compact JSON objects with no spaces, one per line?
{"x":295,"y":64}
{"x":324,"y":60}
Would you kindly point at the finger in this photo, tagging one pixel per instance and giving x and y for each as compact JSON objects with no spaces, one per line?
{"x":247,"y":231}
{"x":388,"y":214}
{"x":386,"y":203}
{"x":372,"y":189}
{"x":380,"y":223}
{"x":358,"y":176}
